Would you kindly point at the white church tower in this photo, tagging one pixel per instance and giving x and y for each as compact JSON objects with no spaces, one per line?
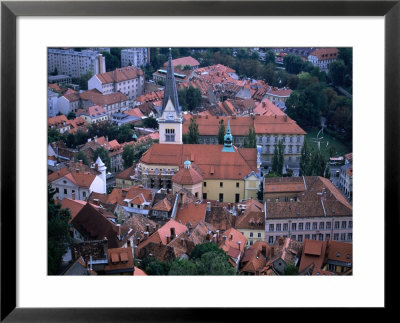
{"x":102,"y":169}
{"x":170,"y":121}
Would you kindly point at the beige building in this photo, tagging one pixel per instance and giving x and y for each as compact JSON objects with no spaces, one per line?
{"x":320,"y":212}
{"x":128,"y":80}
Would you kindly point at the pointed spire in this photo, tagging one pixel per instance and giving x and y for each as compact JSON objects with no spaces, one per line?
{"x":170,"y":91}
{"x":228,"y":139}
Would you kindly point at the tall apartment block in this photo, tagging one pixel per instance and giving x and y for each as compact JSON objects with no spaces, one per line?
{"x":74,"y":63}
{"x":135,"y":56}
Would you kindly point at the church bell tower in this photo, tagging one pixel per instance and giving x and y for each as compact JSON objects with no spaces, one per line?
{"x":170,"y":120}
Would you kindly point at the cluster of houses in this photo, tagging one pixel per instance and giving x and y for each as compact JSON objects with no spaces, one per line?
{"x":180,"y":195}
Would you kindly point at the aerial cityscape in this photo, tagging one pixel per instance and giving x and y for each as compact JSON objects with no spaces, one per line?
{"x":200,"y":161}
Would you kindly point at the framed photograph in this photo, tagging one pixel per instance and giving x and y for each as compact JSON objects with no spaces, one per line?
{"x":29,"y":28}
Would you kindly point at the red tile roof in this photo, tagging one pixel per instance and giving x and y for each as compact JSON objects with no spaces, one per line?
{"x":188,"y":176}
{"x":120,"y":75}
{"x":325,"y":53}
{"x":188,"y":60}
{"x":119,"y":259}
{"x":135,"y":112}
{"x":191,"y":213}
{"x":214,"y":163}
{"x":162,"y":205}
{"x":57,"y":121}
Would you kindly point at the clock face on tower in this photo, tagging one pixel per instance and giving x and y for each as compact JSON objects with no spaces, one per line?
{"x":170,"y":116}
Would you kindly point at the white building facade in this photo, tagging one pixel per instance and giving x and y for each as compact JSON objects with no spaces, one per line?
{"x":74,"y":63}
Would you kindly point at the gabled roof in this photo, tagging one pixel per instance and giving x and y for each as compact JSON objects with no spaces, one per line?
{"x":120,"y":75}
{"x":94,"y":226}
{"x":162,"y":205}
{"x":188,"y":60}
{"x":119,"y":195}
{"x":191,"y":213}
{"x":253,"y":217}
{"x":313,"y":254}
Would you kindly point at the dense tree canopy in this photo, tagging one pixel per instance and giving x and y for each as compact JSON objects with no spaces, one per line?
{"x":58,"y":233}
{"x":104,"y":156}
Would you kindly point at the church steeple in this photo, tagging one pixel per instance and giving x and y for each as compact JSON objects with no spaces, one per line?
{"x":228,"y":139}
{"x":170,"y":92}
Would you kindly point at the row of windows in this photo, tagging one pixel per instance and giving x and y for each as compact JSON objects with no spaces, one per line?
{"x":310,"y":226}
{"x":66,"y":191}
{"x":277,"y":138}
{"x":221,"y":184}
{"x":221,"y":197}
{"x":299,"y":237}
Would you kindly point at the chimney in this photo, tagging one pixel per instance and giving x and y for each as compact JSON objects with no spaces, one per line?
{"x":264,"y":251}
{"x":172,"y":233}
{"x":280,"y":241}
{"x":231,"y":237}
{"x":208,"y":206}
{"x":272,"y":251}
{"x":137,"y":241}
{"x":153,"y":228}
{"x":224,"y":238}
{"x":263,"y":104}
{"x":285,"y":117}
{"x":168,"y":239}
{"x":146,"y":235}
{"x":182,"y":241}
{"x":96,"y":166}
{"x":208,"y":236}
{"x":217,"y":235}
{"x":147,"y":227}
{"x":239,"y":242}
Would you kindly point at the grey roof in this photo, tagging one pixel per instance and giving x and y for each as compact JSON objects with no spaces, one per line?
{"x":170,"y":91}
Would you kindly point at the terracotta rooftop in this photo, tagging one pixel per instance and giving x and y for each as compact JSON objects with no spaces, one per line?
{"x":163,"y":205}
{"x":253,"y":217}
{"x":313,"y":254}
{"x":191,"y":213}
{"x":188,"y":176}
{"x":214,"y":163}
{"x":188,"y":60}
{"x":94,"y":226}
{"x":120,"y":75}
{"x":325,"y":53}
{"x":119,"y":260}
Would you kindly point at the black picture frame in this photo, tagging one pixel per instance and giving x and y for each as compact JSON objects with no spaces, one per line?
{"x":10,"y":10}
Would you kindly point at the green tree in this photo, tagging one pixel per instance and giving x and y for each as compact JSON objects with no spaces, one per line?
{"x":193,"y":98}
{"x":305,"y":160}
{"x":278,"y":158}
{"x":203,"y":248}
{"x":291,"y":269}
{"x":268,"y":73}
{"x":194,"y":136}
{"x":187,"y":67}
{"x":327,"y":173}
{"x":221,"y":132}
{"x":150,"y":122}
{"x":104,"y":156}
{"x":269,"y":57}
{"x":214,"y":263}
{"x":337,"y":72}
{"x":182,"y":267}
{"x":70,"y":140}
{"x":83,"y":80}
{"x":153,"y":266}
{"x":112,"y":61}
{"x":53,"y":135}
{"x":128,"y":156}
{"x":80,"y":137}
{"x":250,"y":140}
{"x":58,"y":233}
{"x":71,"y":115}
{"x":125,"y":133}
{"x":293,"y":63}
{"x":82,"y":156}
